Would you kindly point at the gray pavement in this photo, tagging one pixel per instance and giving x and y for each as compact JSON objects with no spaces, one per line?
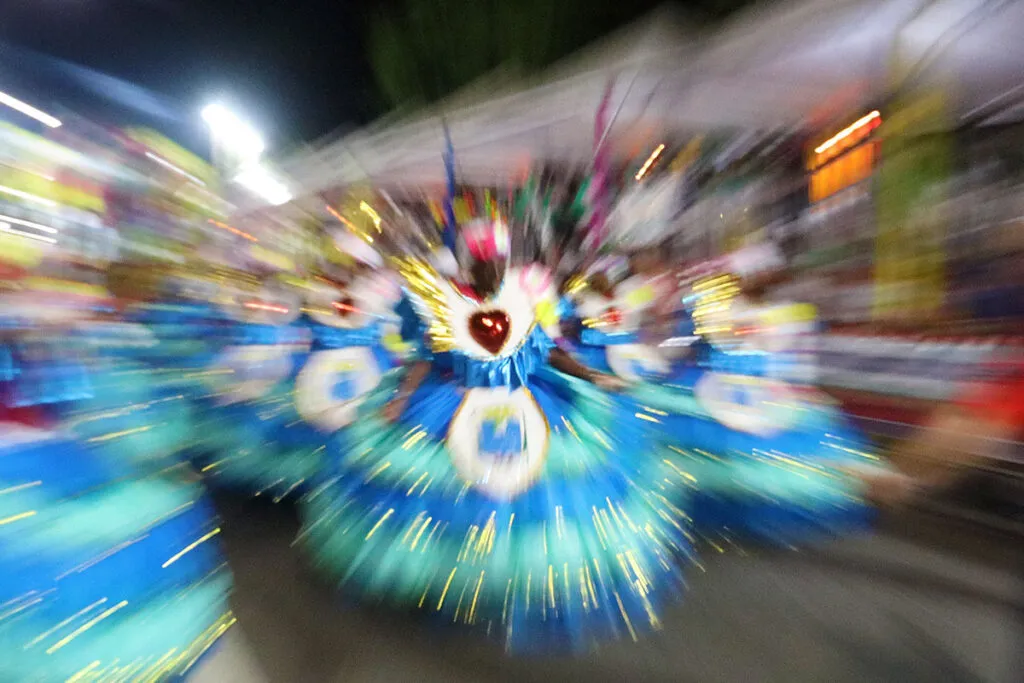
{"x":923,"y":600}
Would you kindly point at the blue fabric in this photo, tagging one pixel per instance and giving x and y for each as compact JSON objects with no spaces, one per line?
{"x":749,"y":363}
{"x":134,"y":573}
{"x":609,"y":489}
{"x":326,"y":337}
{"x":595,"y":337}
{"x":45,"y":372}
{"x":413,"y":330}
{"x":260,"y":334}
{"x":601,"y":453}
{"x":100,"y":536}
{"x":781,"y":488}
{"x":265,"y":445}
{"x":511,"y":371}
{"x":566,"y":309}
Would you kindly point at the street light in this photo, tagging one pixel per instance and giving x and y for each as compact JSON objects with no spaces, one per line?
{"x":242,"y":147}
{"x":233,"y":134}
{"x":261,"y":182}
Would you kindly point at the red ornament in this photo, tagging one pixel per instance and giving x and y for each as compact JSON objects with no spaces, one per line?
{"x":613,"y":316}
{"x":345,"y":307}
{"x":490,"y":329}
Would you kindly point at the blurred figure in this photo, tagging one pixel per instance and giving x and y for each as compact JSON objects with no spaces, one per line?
{"x":476,"y":485}
{"x":985,"y":420}
{"x":109,"y":564}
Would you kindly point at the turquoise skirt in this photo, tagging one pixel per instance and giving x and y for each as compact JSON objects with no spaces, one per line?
{"x":105,"y":571}
{"x":587,"y":552}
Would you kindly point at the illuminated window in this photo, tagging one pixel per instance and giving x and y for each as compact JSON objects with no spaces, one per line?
{"x":844,"y":159}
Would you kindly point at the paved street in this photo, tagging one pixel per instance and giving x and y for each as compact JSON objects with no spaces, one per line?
{"x":922,"y":600}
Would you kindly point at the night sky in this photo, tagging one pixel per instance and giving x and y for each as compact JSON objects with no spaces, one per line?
{"x":296,"y":68}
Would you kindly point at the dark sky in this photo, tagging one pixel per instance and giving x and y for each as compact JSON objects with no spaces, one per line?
{"x":297,"y":68}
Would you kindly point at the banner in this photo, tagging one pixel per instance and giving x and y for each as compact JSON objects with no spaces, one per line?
{"x":910,"y":196}
{"x":173,"y":153}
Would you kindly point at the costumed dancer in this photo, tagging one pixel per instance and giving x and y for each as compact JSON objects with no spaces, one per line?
{"x":356,"y":338}
{"x":764,"y":458}
{"x":251,"y":437}
{"x":108,"y":563}
{"x":491,"y":482}
{"x":136,"y":410}
{"x":185,"y":325}
{"x":768,"y":458}
{"x":612,"y":310}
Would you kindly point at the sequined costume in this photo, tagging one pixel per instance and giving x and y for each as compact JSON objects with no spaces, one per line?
{"x":185,"y":338}
{"x":108,"y":559}
{"x":356,"y":338}
{"x":104,"y":572}
{"x":250,"y":437}
{"x":133,"y":411}
{"x":86,"y":375}
{"x":766,"y":458}
{"x":271,"y":435}
{"x":607,"y":334}
{"x":507,"y":495}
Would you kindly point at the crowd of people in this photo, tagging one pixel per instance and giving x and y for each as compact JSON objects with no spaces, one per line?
{"x":521,"y":432}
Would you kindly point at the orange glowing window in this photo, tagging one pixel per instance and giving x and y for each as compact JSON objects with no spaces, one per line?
{"x":844,"y":159}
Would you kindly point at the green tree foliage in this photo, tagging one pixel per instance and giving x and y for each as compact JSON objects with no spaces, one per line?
{"x":422,"y":50}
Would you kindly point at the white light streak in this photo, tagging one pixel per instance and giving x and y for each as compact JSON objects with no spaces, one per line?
{"x":233,"y":133}
{"x":26,"y":196}
{"x":180,"y":171}
{"x":29,"y":110}
{"x":28,"y":224}
{"x":650,"y":160}
{"x":6,"y":227}
{"x":845,"y":132}
{"x":260,"y":182}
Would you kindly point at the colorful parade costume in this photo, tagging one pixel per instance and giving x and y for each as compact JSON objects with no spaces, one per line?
{"x":88,"y":375}
{"x":186,"y":339}
{"x":103,"y":571}
{"x":507,"y":495}
{"x":608,"y":333}
{"x":135,"y":412}
{"x":108,"y":558}
{"x":250,"y":436}
{"x":291,"y":380}
{"x":356,"y":336}
{"x":768,"y":458}
{"x":765,"y":458}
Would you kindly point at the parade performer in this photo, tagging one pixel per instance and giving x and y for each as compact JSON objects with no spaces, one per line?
{"x":491,"y":482}
{"x":250,"y":436}
{"x":615,"y":311}
{"x":108,"y":560}
{"x":104,"y":571}
{"x":70,"y":355}
{"x":769,"y":458}
{"x":356,"y":338}
{"x":185,"y":325}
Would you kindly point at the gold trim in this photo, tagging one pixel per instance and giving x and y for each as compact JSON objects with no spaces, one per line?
{"x":430,"y":299}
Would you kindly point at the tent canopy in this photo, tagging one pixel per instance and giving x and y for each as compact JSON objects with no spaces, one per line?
{"x":799,"y":64}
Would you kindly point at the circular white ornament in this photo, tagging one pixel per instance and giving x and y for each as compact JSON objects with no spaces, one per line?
{"x":635,"y":362}
{"x":498,"y":441}
{"x":749,"y":404}
{"x":332,"y":384}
